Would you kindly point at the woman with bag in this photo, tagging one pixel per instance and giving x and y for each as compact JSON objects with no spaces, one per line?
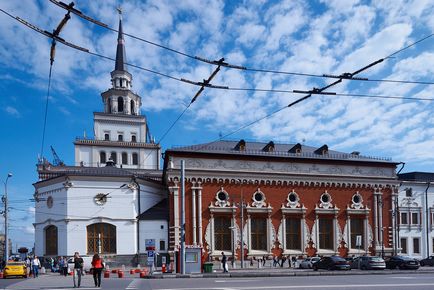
{"x":97,"y":266}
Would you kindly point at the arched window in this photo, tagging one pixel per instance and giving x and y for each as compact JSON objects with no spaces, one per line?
{"x":113,"y":157}
{"x":102,"y":157}
{"x":101,"y":238}
{"x":120,"y":104}
{"x":120,"y":137}
{"x":133,"y":138}
{"x":135,"y":159}
{"x":107,"y":137}
{"x":132,"y":104}
{"x":51,"y":240}
{"x":109,"y":105}
{"x":124,"y":158}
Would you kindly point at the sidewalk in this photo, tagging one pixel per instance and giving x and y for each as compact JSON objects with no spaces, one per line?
{"x":286,"y":272}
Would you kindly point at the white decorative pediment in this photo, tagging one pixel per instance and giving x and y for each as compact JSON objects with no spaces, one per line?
{"x":409,"y":202}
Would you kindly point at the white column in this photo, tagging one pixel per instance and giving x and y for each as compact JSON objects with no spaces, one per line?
{"x":283,"y":237}
{"x":380,"y":222}
{"x":375,"y":220}
{"x":249,"y":239}
{"x":348,"y":233}
{"x":269,"y":225}
{"x":211,"y":222}
{"x":336,"y":233}
{"x":303,"y":231}
{"x":175,"y":190}
{"x":193,"y":213}
{"x":317,"y":232}
{"x":365,"y":233}
{"x":199,"y":215}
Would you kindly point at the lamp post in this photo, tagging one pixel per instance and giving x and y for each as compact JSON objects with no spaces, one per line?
{"x":5,"y":200}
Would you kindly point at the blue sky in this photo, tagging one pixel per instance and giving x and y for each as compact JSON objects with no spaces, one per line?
{"x":314,"y":37}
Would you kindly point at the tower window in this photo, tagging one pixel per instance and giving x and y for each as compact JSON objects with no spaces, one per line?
{"x":132,"y":104}
{"x":106,"y":137}
{"x":120,"y":104}
{"x":124,"y":158}
{"x":120,"y":137}
{"x":135,"y":159}
{"x":113,"y":157}
{"x":102,"y":157}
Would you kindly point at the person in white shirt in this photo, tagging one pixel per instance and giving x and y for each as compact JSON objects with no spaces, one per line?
{"x":36,"y":264}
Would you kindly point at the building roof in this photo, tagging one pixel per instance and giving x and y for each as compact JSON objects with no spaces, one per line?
{"x":417,"y":176}
{"x":272,"y":149}
{"x":48,"y":171}
{"x":160,"y":211}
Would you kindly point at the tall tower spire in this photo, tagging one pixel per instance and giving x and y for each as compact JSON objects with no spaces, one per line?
{"x":120,"y":50}
{"x":121,"y":78}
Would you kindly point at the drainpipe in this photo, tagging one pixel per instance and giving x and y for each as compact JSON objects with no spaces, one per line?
{"x":138,"y":221}
{"x":427,"y":218}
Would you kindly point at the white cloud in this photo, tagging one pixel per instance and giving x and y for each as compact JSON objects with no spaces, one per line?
{"x":12,"y":111}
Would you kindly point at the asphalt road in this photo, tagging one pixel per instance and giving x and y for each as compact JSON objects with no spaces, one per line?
{"x":406,"y":280}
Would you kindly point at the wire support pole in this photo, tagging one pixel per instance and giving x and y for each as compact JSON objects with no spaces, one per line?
{"x":6,"y":209}
{"x":182,"y":252}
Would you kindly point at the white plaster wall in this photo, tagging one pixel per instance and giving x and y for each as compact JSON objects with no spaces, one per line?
{"x":417,"y":200}
{"x":115,"y":129}
{"x":157,"y":230}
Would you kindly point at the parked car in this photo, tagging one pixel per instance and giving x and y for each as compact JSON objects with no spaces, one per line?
{"x":368,"y":263}
{"x":308,"y":262}
{"x":402,"y":262}
{"x":331,"y":263}
{"x":427,"y":261}
{"x":15,"y":269}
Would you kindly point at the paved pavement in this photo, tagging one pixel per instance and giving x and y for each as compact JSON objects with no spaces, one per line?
{"x":419,"y":280}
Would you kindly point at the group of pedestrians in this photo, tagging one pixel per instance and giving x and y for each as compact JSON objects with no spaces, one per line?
{"x":34,"y":264}
{"x":97,"y":267}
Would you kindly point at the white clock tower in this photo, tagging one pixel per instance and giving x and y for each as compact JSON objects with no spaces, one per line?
{"x":121,"y":132}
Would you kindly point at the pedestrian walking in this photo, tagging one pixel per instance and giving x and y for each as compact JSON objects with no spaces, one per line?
{"x":65,"y":266}
{"x":97,"y":266}
{"x":36,"y":264}
{"x":224,"y":263}
{"x":294,"y":261}
{"x":274,"y":261}
{"x":283,"y":261}
{"x":78,"y":269}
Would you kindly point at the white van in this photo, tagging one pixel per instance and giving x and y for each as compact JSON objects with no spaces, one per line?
{"x":86,"y":266}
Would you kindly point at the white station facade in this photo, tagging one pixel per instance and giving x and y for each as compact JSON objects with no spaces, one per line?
{"x":113,"y":199}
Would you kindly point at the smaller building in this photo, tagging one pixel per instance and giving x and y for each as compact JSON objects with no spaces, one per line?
{"x":416,"y":214}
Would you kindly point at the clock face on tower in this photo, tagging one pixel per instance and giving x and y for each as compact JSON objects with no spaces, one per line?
{"x":100,"y":199}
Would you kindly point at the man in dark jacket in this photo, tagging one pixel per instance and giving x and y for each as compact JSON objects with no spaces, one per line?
{"x":78,"y":269}
{"x":224,"y":263}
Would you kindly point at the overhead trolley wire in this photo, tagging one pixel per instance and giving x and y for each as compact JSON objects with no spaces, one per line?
{"x":346,"y":76}
{"x":225,"y":64}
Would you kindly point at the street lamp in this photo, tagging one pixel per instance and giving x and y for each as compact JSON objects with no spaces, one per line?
{"x":5,"y":200}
